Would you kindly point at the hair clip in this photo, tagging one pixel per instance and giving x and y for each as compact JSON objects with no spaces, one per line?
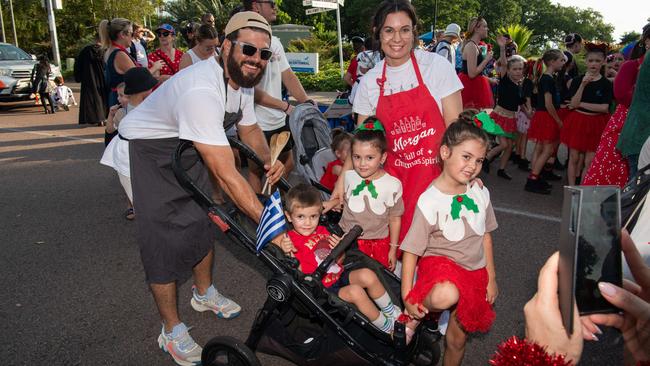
{"x":371,"y":125}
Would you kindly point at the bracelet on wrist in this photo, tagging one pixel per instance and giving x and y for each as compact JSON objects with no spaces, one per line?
{"x":394,"y":245}
{"x":286,"y":109}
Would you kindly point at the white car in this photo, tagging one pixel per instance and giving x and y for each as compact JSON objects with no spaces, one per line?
{"x":15,"y":70}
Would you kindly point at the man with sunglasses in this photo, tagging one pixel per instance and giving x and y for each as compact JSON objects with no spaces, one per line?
{"x":175,"y":236}
{"x":272,"y":112}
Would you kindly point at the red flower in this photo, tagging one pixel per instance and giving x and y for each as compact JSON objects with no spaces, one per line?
{"x":459,"y":199}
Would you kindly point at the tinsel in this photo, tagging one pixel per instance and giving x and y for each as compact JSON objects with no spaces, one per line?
{"x":519,"y":352}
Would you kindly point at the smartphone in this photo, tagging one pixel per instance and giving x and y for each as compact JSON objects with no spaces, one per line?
{"x":590,"y":249}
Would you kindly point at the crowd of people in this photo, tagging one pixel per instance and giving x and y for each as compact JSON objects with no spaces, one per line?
{"x":431,"y":120}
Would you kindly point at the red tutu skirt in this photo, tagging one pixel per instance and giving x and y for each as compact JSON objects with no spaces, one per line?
{"x":509,"y":125}
{"x":473,"y":311}
{"x":609,"y":167}
{"x":582,"y":132}
{"x":476,"y":92}
{"x":563,"y":113}
{"x":543,"y":128}
{"x":376,"y":249}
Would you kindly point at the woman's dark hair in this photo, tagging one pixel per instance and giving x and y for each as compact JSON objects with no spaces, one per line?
{"x":389,"y":7}
{"x":301,"y":196}
{"x":339,"y":136}
{"x":376,"y":138}
{"x":464,"y":129}
{"x":206,"y":32}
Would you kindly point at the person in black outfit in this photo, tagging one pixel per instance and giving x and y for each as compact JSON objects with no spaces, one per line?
{"x":40,"y":82}
{"x":89,"y":71}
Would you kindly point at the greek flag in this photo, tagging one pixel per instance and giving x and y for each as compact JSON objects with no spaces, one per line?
{"x":272,"y":221}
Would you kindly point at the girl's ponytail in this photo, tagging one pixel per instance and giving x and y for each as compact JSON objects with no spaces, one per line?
{"x":104,"y":37}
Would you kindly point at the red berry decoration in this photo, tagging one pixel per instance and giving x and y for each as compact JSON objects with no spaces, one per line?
{"x":367,"y":181}
{"x":459,"y":199}
{"x":368,"y":126}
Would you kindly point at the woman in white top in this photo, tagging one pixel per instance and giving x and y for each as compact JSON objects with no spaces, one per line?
{"x":206,"y":46}
{"x":415,"y":94}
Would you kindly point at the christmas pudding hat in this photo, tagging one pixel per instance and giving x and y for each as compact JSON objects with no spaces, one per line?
{"x":487,"y":124}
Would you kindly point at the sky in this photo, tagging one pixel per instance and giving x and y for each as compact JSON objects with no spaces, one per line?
{"x":624,"y":15}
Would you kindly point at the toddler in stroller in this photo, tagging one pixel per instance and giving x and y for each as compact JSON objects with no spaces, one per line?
{"x":301,"y":320}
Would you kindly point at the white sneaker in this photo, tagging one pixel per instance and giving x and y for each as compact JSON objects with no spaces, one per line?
{"x":215,"y":302}
{"x":180,"y":346}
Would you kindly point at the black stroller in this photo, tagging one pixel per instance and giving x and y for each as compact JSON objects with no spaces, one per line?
{"x":300,"y":320}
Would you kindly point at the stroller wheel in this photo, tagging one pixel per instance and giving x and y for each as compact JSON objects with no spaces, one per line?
{"x":228,"y":351}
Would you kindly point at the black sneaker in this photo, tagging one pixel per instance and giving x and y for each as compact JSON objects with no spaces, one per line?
{"x":524,"y":165}
{"x":502,"y":174}
{"x":578,"y":180}
{"x":535,"y":186}
{"x":515,"y":158}
{"x":549,"y":175}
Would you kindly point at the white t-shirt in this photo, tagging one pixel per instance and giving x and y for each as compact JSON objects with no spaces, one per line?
{"x":141,"y":54}
{"x":190,"y":106}
{"x":116,"y":153}
{"x":438,"y":74}
{"x":271,"y":118}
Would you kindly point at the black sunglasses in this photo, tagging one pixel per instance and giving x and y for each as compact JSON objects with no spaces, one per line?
{"x":271,"y":3}
{"x":164,"y":34}
{"x":250,"y":50}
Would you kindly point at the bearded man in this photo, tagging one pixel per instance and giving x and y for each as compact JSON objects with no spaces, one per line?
{"x":175,"y":236}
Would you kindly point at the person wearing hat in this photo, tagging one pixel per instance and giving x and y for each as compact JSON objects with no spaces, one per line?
{"x":446,"y":47}
{"x":167,"y":53}
{"x":175,"y":236}
{"x":272,"y":112}
{"x":138,"y":84}
{"x":350,"y":76}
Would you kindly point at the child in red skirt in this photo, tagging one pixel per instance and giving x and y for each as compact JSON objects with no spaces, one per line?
{"x":373,"y":198}
{"x":477,"y":92}
{"x":546,"y":124}
{"x":341,"y":148}
{"x":510,"y":97}
{"x":312,"y":243}
{"x":591,"y":95}
{"x":451,"y":233}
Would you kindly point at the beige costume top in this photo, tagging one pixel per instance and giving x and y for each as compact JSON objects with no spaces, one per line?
{"x":370,"y":204}
{"x":452,"y":226}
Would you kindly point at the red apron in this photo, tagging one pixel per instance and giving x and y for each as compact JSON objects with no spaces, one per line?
{"x":414,"y":128}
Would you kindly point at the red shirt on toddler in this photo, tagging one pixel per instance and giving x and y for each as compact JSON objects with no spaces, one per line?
{"x":312,"y":250}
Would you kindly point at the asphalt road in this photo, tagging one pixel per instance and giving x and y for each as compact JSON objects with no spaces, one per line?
{"x":72,"y":285}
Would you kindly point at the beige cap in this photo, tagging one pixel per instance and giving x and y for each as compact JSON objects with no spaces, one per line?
{"x":247,"y":19}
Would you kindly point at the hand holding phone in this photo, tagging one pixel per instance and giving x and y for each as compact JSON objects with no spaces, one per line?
{"x":590,"y":250}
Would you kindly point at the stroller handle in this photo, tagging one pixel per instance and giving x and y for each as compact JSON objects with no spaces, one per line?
{"x":250,"y":155}
{"x":344,"y":244}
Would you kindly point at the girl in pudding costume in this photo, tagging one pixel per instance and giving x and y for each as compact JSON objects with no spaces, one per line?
{"x":373,"y":198}
{"x":451,"y":243}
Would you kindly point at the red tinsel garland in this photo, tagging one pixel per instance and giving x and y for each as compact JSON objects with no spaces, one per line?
{"x":519,"y":352}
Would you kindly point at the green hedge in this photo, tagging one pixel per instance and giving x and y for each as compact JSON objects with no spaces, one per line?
{"x":327,"y":79}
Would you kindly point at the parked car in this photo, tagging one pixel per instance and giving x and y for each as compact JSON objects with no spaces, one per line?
{"x":15,"y":70}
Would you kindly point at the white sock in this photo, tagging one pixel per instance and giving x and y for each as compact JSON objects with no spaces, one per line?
{"x":387,"y":307}
{"x":383,"y":323}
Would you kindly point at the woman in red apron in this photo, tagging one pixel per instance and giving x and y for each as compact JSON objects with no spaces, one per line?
{"x":399,"y":93}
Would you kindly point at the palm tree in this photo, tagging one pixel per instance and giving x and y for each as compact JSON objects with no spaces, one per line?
{"x":519,"y":34}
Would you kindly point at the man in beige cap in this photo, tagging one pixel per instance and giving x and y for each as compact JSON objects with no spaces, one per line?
{"x":446,"y":47}
{"x":272,"y":112}
{"x":198,"y":104}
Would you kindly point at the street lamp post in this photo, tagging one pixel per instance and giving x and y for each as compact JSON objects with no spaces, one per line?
{"x":13,"y":22}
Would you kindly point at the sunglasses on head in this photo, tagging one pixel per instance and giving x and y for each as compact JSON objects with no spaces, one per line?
{"x":164,"y":34}
{"x":250,"y":50}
